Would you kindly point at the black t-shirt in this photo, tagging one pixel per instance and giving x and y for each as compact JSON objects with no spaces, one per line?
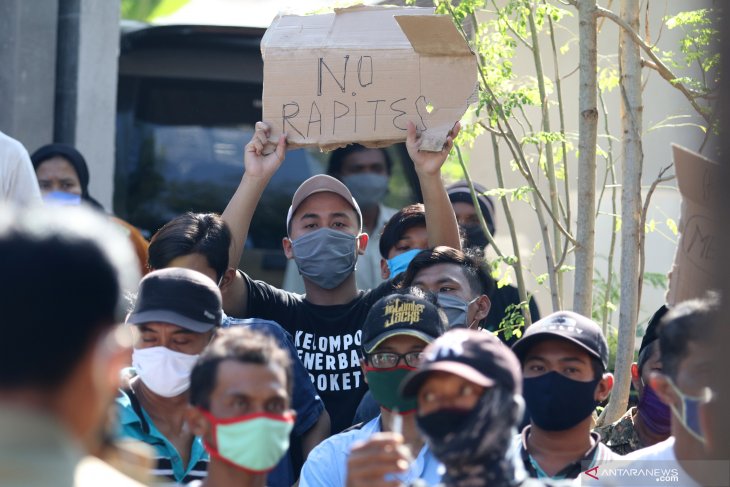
{"x":327,"y":339}
{"x":501,"y":298}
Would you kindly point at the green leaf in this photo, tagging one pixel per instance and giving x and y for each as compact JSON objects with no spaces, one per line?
{"x":672,"y":226}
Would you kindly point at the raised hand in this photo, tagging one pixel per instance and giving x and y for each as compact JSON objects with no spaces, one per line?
{"x":429,"y":162}
{"x":258,"y":159}
{"x":372,"y":459}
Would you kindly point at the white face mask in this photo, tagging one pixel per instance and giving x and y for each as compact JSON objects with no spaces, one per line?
{"x":164,"y":371}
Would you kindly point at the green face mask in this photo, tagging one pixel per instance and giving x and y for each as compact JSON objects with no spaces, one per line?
{"x":384,"y":385}
{"x":254,"y":443}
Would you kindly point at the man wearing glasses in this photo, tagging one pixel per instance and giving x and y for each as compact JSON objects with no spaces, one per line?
{"x":397,"y":329}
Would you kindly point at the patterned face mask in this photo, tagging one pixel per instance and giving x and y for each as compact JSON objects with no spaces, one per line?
{"x":475,"y":451}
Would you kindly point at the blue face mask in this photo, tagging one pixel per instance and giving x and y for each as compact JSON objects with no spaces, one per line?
{"x":689,"y":414}
{"x":61,"y":198}
{"x":400,"y":262}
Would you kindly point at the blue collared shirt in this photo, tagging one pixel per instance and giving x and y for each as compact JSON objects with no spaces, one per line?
{"x":169,"y":468}
{"x":326,"y":465}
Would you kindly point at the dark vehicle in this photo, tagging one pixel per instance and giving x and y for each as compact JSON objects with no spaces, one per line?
{"x":188,"y":99}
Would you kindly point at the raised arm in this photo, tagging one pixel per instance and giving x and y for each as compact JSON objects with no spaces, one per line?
{"x":440,"y":218}
{"x":260,"y":164}
{"x":259,"y":167}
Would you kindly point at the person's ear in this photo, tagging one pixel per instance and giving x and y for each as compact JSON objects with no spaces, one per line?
{"x":362,"y":243}
{"x":481,"y":305}
{"x":227,"y":278}
{"x":636,"y":378}
{"x":603,"y":389}
{"x":197,"y":424}
{"x":384,"y":269}
{"x":518,"y":409}
{"x":286,"y":244}
{"x":660,"y":383}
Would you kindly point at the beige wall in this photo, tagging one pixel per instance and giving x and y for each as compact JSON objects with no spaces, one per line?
{"x":660,"y":101}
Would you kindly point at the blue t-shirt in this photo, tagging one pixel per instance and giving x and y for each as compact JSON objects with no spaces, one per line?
{"x":326,"y":465}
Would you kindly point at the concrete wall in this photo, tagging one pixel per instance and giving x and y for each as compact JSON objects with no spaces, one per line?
{"x":660,"y":101}
{"x":86,"y":93}
{"x":28,"y":70}
{"x":58,"y":79}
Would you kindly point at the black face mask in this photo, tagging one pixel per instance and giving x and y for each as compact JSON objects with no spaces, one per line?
{"x":475,"y":237}
{"x":557,"y":403}
{"x":442,"y":422}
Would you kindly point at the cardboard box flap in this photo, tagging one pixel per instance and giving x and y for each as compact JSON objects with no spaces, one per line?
{"x":697,"y":176}
{"x":695,"y":267}
{"x":361,"y":74}
{"x":353,"y":27}
{"x":433,"y":35}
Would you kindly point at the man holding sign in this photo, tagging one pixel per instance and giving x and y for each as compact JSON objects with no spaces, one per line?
{"x":324,"y":237}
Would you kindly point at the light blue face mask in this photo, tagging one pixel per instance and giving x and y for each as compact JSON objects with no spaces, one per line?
{"x":326,"y":257}
{"x":400,"y":262}
{"x":689,"y":415}
{"x":456,"y":309}
{"x":61,"y":198}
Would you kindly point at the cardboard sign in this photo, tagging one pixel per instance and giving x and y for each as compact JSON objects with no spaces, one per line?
{"x":695,"y":266}
{"x":361,"y":73}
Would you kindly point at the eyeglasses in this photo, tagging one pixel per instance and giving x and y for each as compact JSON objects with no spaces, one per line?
{"x":386,"y":360}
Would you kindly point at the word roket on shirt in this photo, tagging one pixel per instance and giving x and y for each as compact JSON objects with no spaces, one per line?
{"x":333,"y":361}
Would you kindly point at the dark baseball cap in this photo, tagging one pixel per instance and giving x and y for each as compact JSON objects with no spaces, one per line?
{"x":651,"y":335}
{"x":321,"y":183}
{"x":569,"y":326}
{"x":178,"y":296}
{"x":459,"y":192}
{"x":477,"y":356}
{"x":402,"y":314}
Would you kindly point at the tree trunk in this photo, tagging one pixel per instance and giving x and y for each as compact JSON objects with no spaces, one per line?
{"x":549,"y":160}
{"x":631,"y":121}
{"x":587,"y":134}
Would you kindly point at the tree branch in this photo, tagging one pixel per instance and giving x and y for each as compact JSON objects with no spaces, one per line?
{"x":642,"y":256}
{"x":661,"y":68}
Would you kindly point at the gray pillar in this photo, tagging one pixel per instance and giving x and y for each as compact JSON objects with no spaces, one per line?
{"x":86,"y":88}
{"x":28,"y":70}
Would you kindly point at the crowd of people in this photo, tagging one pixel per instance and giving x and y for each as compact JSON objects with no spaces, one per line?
{"x":381,"y":363}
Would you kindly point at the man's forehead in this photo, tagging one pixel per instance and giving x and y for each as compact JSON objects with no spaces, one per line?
{"x":236,"y":377}
{"x":169,"y":327}
{"x":556,"y":348}
{"x":443,"y":272}
{"x":324,"y":202}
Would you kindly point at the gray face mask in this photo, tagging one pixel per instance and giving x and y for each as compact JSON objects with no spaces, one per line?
{"x":368,"y":189}
{"x":455,"y":309}
{"x":326,"y":257}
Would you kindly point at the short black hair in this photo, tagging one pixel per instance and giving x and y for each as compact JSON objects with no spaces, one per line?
{"x":690,"y":321}
{"x":338,"y":156}
{"x":472,"y":264}
{"x":407,"y":217}
{"x":243,"y":345}
{"x":64,"y":272}
{"x":192,"y":233}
